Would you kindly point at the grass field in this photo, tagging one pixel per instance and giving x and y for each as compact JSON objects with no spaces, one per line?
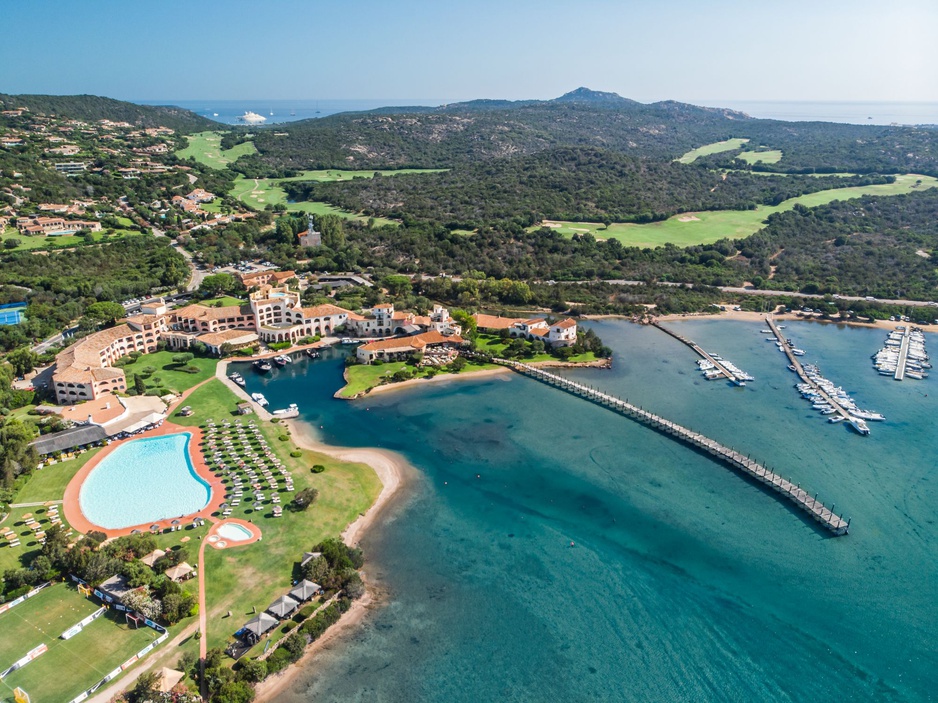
{"x":495,"y":345}
{"x":240,"y":578}
{"x":362,"y":377}
{"x":205,"y":147}
{"x":225,"y":300}
{"x":770,"y":156}
{"x":70,"y":666}
{"x":715,"y":148}
{"x":171,"y":374}
{"x":706,"y":227}
{"x":62,"y":242}
{"x":268,"y":191}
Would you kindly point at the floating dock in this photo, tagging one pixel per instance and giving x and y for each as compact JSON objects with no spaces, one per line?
{"x":733,"y":375}
{"x":811,"y":506}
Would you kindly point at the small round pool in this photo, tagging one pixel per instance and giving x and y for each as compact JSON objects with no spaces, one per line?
{"x":143,"y":481}
{"x":233,"y":532}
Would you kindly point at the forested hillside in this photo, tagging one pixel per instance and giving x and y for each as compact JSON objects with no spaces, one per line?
{"x":483,"y":130}
{"x":880,"y":246}
{"x":91,"y":108}
{"x":580,"y":184}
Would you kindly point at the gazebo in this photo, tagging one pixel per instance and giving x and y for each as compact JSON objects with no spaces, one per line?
{"x":180,"y":572}
{"x":169,"y":678}
{"x":255,"y":628}
{"x":305,"y":590}
{"x":283,"y":606}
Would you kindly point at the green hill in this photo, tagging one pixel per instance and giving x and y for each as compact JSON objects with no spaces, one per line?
{"x":91,"y":108}
{"x":483,"y":130}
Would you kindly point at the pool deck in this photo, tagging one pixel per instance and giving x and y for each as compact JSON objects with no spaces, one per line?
{"x":220,"y":542}
{"x":79,"y":522}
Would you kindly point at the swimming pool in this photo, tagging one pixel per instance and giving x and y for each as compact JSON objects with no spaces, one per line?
{"x":234,"y":532}
{"x":143,"y":481}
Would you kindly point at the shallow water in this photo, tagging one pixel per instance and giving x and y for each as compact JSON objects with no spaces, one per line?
{"x":685,"y":581}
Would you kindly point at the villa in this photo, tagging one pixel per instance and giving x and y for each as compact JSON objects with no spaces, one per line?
{"x":402,"y":347}
{"x":54,"y":225}
{"x":383,"y":320}
{"x":555,"y":334}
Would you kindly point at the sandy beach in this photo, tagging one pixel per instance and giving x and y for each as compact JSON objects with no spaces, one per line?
{"x":393,"y":471}
{"x":759,"y":317}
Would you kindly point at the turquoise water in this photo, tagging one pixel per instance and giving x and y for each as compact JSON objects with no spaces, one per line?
{"x":144,"y":480}
{"x":234,"y":532}
{"x":686,"y":582}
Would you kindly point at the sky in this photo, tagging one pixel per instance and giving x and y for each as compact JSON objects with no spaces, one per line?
{"x":447,"y":50}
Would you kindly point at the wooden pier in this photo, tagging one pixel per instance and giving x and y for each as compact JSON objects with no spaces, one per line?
{"x":799,"y":369}
{"x":903,"y":353}
{"x":808,"y":504}
{"x":733,"y":378}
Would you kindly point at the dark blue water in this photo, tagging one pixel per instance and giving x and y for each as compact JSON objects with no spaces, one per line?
{"x":686,"y":582}
{"x":869,"y":112}
{"x":277,"y":111}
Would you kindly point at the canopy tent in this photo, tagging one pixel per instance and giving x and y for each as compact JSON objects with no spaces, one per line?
{"x":169,"y":678}
{"x":255,"y":628}
{"x":180,"y":572}
{"x":305,"y":590}
{"x":283,"y":606}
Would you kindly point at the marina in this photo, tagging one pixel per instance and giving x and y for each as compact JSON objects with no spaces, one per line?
{"x":903,"y":355}
{"x":712,"y":366}
{"x":825,"y":397}
{"x":792,"y":492}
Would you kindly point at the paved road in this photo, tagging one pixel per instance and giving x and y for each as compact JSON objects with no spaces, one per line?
{"x":195,"y":276}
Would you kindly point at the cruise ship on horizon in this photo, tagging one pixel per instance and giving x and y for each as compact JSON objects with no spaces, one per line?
{"x":252,"y":118}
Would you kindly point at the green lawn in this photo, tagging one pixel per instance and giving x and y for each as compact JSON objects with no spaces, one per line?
{"x":706,"y":227}
{"x":261,"y":192}
{"x":240,"y":578}
{"x":49,"y":482}
{"x":205,"y":147}
{"x":495,"y":345}
{"x":70,"y":666}
{"x":225,"y":301}
{"x":171,"y":374}
{"x":715,"y":148}
{"x":26,"y":243}
{"x":364,"y":377}
{"x":769,"y":156}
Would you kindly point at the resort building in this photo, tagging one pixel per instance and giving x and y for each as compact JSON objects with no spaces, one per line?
{"x":402,"y":347}
{"x":54,"y":225}
{"x":263,"y":278}
{"x":280,"y":317}
{"x":84,"y":370}
{"x":556,"y":334}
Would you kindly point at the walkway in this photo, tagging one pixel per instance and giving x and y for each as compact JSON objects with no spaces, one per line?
{"x":792,"y":492}
{"x":37,"y":504}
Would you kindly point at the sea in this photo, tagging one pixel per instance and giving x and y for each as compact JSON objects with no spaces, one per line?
{"x":547,"y":549}
{"x":279,"y":111}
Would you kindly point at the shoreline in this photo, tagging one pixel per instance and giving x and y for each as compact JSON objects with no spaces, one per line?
{"x":409,"y":383}
{"x":745,"y":316}
{"x":392,"y":470}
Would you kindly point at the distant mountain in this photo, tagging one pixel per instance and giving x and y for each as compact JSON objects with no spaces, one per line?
{"x":594,"y":97}
{"x":480,"y":130}
{"x":91,"y":108}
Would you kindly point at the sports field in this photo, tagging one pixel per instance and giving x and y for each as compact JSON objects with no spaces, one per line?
{"x":205,"y":147}
{"x":692,"y":228}
{"x":715,"y":148}
{"x":69,"y":666}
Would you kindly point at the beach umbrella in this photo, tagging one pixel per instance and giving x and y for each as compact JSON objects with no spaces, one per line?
{"x":154,"y":528}
{"x":135,"y":532}
{"x":26,"y":516}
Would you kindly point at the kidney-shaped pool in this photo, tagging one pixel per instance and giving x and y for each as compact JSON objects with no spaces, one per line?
{"x":143,"y":481}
